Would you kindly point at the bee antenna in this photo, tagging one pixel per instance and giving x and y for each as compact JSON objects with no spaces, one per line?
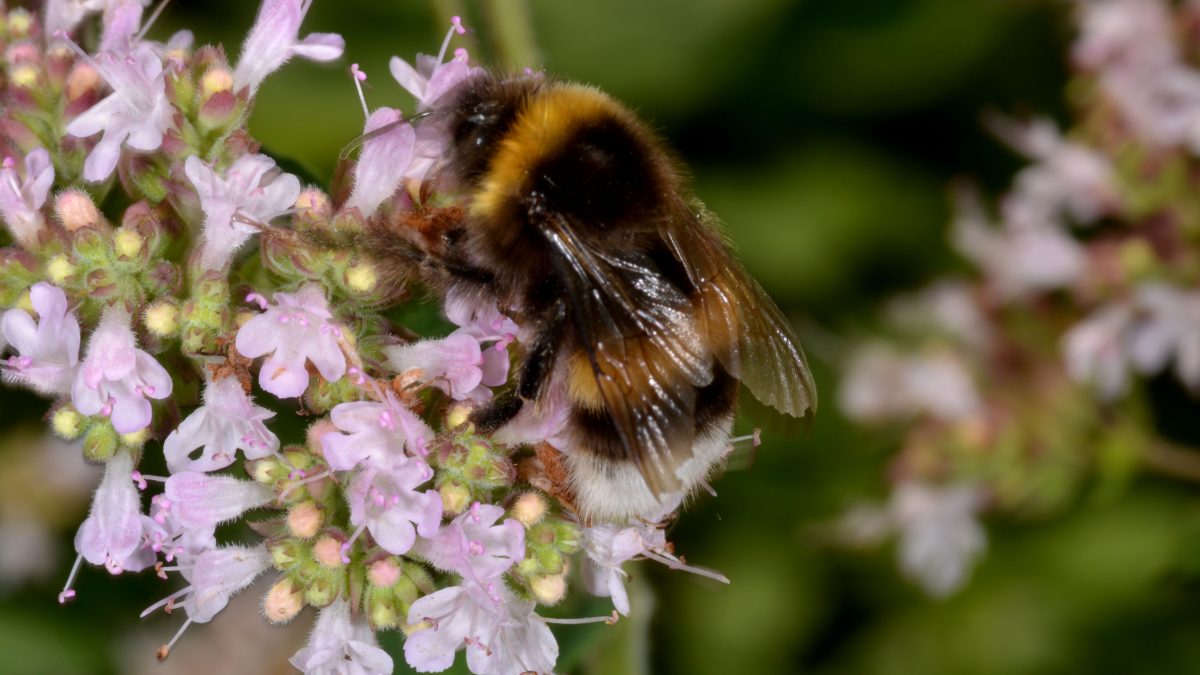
{"x":358,"y":142}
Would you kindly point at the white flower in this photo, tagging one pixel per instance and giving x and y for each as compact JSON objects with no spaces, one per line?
{"x":136,"y":114}
{"x":21,"y":199}
{"x":1168,"y":330}
{"x":227,"y":422}
{"x":1095,"y":350}
{"x":251,"y":190}
{"x":341,"y":645}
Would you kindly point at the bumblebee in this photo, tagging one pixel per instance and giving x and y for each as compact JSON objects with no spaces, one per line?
{"x":578,"y":223}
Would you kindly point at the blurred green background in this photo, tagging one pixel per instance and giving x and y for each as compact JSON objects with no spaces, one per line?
{"x":825,"y":134}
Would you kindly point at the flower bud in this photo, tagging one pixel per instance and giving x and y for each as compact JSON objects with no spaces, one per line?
{"x":529,"y":509}
{"x":286,"y":554}
{"x":549,"y":589}
{"x":162,"y":319}
{"x":321,"y":592}
{"x":283,"y":602}
{"x":59,"y":269}
{"x":75,"y":210}
{"x":305,"y":519}
{"x":136,"y":439}
{"x":24,"y":76}
{"x":20,"y":22}
{"x":328,"y":552}
{"x":100,"y":443}
{"x":84,"y":79}
{"x":67,"y":423}
{"x":361,"y":278}
{"x":455,"y":497}
{"x":313,"y":206}
{"x":384,"y":573}
{"x":25,"y":302}
{"x":458,"y":414}
{"x":127,"y":243}
{"x":383,"y":612}
{"x":215,"y":80}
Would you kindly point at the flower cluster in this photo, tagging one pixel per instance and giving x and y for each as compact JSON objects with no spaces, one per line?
{"x":1025,"y":384}
{"x":229,"y":297}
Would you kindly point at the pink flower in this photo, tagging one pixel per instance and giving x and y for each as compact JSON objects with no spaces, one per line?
{"x":433,"y":77}
{"x":21,"y":199}
{"x":112,"y":534}
{"x":199,"y":501}
{"x":474,"y":546}
{"x":122,"y":20}
{"x":49,"y":349}
{"x":467,"y":362}
{"x":65,"y":15}
{"x":217,"y":575}
{"x":227,"y":422}
{"x":340,"y":644}
{"x":274,"y":40}
{"x":251,"y":190}
{"x":382,"y":435}
{"x":295,"y":330}
{"x":387,"y":504}
{"x":116,"y":378}
{"x":383,"y":162}
{"x":1168,"y":330}
{"x":1095,"y":350}
{"x":500,"y":631}
{"x":136,"y":114}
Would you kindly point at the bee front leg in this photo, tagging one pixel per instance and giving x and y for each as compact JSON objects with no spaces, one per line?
{"x":534,"y":374}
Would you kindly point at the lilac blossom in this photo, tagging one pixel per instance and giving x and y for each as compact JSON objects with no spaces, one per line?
{"x":116,"y":378}
{"x":122,"y":21}
{"x":218,"y":574}
{"x":298,"y":328}
{"x":434,"y":76}
{"x":382,"y":435}
{"x":1095,"y":350}
{"x":136,"y":114}
{"x":112,"y":534}
{"x":501,"y":633}
{"x":384,"y":160}
{"x":341,"y":644}
{"x":475,"y":545}
{"x":227,"y":422}
{"x":948,"y":306}
{"x":1168,"y":330}
{"x":275,"y":39}
{"x":65,"y":15}
{"x":22,"y":198}
{"x":252,"y":190}
{"x":387,"y":504}
{"x":48,"y":349}
{"x":880,"y":383}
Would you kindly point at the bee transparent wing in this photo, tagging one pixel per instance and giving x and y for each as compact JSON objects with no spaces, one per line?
{"x":645,"y":355}
{"x":751,"y":337}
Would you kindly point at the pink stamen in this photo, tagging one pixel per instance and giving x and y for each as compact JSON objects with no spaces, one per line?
{"x":67,"y":592}
{"x":257,"y":299}
{"x":456,"y":21}
{"x":9,"y":162}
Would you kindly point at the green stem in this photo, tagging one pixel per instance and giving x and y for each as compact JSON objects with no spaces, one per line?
{"x":511,"y":28}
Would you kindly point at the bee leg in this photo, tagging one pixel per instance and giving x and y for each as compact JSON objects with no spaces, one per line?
{"x":535,"y":373}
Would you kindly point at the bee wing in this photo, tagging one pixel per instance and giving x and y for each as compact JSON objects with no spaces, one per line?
{"x":644,"y":352}
{"x":752,"y":338}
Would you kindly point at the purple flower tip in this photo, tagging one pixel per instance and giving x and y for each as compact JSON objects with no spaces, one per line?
{"x":67,"y":595}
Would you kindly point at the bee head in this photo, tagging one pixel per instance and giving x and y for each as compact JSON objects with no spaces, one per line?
{"x":478,"y":117}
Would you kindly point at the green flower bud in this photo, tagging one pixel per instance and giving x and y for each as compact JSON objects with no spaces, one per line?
{"x":101,"y":442}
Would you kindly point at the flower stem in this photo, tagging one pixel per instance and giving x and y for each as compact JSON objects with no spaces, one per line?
{"x":512,"y":33}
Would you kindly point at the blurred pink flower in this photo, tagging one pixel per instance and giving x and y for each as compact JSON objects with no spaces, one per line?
{"x":227,"y":422}
{"x":275,"y":39}
{"x":295,"y":330}
{"x":22,"y":198}
{"x":116,"y":378}
{"x":49,"y":348}
{"x":251,"y":190}
{"x":880,"y":383}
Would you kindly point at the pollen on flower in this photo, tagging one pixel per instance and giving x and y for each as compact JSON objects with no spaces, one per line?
{"x":67,"y":423}
{"x":127,"y":243}
{"x":362,"y":277}
{"x":214,"y":81}
{"x":162,"y":319}
{"x":59,"y":269}
{"x":25,"y":76}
